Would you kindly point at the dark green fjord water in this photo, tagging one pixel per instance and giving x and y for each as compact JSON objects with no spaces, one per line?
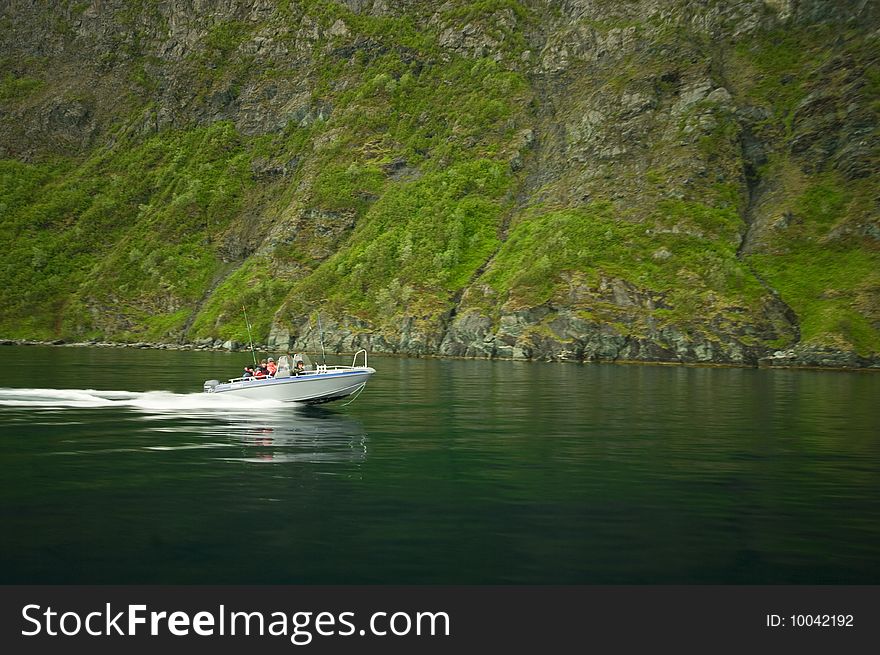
{"x":441,"y":472}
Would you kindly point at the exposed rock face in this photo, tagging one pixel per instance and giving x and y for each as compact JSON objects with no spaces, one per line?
{"x":809,"y":357}
{"x":675,"y":175}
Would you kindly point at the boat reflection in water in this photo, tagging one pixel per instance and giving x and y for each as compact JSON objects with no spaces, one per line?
{"x":306,"y":434}
{"x":195,"y":426}
{"x":275,"y":433}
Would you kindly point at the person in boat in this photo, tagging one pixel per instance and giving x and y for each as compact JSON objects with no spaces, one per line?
{"x":261,"y":371}
{"x":271,"y":367}
{"x":300,"y":367}
{"x":248,"y":372}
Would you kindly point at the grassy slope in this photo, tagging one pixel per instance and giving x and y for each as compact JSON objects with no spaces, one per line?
{"x":128,"y":242}
{"x":130,"y":229}
{"x":828,"y":274}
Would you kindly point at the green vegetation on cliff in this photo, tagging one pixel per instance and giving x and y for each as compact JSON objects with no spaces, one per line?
{"x":418,"y":167}
{"x":131,"y":228}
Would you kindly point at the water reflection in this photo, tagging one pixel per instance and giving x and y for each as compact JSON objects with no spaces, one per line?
{"x":478,"y":472}
{"x":164,"y":422}
{"x":306,"y":434}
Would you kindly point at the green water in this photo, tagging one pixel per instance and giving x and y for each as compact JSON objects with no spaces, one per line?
{"x":441,"y":472}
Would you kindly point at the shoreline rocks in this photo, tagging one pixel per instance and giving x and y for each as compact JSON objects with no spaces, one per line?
{"x":806,"y":356}
{"x":801,"y":356}
{"x":202,"y":344}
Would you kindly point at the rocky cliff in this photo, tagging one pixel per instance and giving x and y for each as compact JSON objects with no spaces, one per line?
{"x":582,"y":180}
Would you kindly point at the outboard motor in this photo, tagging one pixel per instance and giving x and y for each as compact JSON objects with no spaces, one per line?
{"x":210,"y":384}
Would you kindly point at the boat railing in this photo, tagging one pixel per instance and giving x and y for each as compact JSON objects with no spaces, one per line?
{"x":354,"y":359}
{"x":252,"y":377}
{"x":324,"y":368}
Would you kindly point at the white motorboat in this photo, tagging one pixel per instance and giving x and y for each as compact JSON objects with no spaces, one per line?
{"x":298,"y":381}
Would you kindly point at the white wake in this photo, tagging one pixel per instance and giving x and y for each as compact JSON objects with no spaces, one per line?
{"x":147,"y":400}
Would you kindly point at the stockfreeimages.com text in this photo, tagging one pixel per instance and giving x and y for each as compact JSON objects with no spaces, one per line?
{"x":301,"y":627}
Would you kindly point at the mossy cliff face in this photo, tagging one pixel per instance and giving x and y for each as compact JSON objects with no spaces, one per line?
{"x":594,"y":180}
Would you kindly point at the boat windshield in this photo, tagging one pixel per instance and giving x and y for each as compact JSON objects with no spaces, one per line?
{"x":285,"y":366}
{"x":288,"y":364}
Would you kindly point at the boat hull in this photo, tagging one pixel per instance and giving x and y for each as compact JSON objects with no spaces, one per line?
{"x":311,"y":388}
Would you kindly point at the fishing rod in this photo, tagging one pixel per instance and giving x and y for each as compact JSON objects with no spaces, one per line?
{"x":321,"y":333}
{"x":250,"y":338}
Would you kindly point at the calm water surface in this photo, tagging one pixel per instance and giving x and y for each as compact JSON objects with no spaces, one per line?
{"x":116,"y":469}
